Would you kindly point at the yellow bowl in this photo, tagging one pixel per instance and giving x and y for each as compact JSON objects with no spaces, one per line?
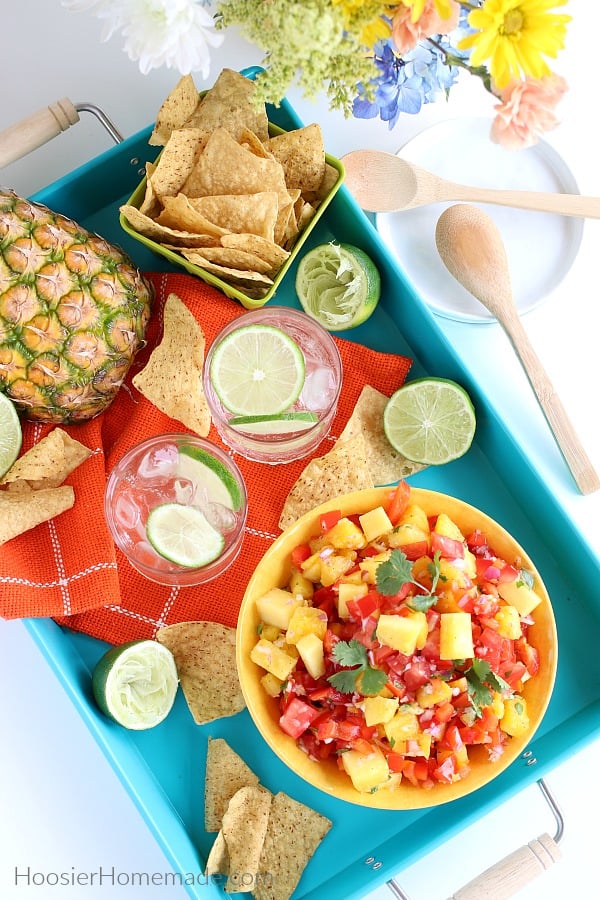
{"x":273,"y":571}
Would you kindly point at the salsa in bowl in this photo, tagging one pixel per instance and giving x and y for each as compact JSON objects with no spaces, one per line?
{"x":396,"y":648}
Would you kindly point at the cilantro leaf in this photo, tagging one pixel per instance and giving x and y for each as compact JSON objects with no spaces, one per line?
{"x":421,"y":602}
{"x":359,"y":676}
{"x":393,"y":574}
{"x":482,"y":681}
{"x":526,"y":578}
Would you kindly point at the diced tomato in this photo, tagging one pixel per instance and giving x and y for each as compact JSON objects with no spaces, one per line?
{"x":363,"y":607}
{"x":388,"y":602}
{"x":417,"y":674}
{"x":528,"y":655}
{"x":329,"y":641}
{"x":300,"y":554}
{"x":366,"y":634}
{"x":326,"y":599}
{"x":398,"y":690}
{"x":381,"y":654}
{"x":415,"y":550}
{"x":447,"y":546}
{"x":315,"y":748}
{"x":512,"y":672}
{"x":297,"y":717}
{"x":443,"y":712}
{"x":329,"y":519}
{"x":477,"y":543}
{"x":398,"y":502}
{"x":415,"y":770}
{"x":507,"y":573}
{"x":328,"y":730}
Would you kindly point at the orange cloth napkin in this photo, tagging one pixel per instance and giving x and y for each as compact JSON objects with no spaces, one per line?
{"x":69,"y":569}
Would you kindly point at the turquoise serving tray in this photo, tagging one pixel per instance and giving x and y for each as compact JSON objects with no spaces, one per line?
{"x":162,"y":769}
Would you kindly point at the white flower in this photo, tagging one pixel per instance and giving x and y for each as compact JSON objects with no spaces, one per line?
{"x":172,"y":33}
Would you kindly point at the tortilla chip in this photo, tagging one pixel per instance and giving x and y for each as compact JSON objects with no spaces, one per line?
{"x":226,"y":773}
{"x":161,"y":233}
{"x":178,"y":107}
{"x":249,"y":140}
{"x":229,"y":105}
{"x":236,"y":259}
{"x":218,"y":857}
{"x":227,"y":273}
{"x":243,"y":213}
{"x":385,"y":464}
{"x":177,"y":161}
{"x":224,"y":167}
{"x":254,"y":243}
{"x":172,"y":377}
{"x":179,"y":214}
{"x":150,"y":205}
{"x":343,"y":470}
{"x":22,"y":510}
{"x":301,"y":152}
{"x":294,"y":832}
{"x":204,"y":655}
{"x":48,"y":463}
{"x":244,"y":829}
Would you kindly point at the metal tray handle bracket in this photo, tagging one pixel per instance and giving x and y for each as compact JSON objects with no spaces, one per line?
{"x":512,"y":873}
{"x":40,"y":127}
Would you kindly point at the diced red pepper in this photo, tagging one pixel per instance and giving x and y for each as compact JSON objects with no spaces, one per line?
{"x":528,"y":655}
{"x":329,"y":519}
{"x":398,"y":502}
{"x":362,"y":607}
{"x":447,"y":546}
{"x":300,"y":554}
{"x":395,"y":761}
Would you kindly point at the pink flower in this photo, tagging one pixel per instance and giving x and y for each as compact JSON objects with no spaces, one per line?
{"x":526,"y":110}
{"x":407,"y":34}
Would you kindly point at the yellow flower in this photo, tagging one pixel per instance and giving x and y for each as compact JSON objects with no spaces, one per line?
{"x":442,"y":7}
{"x":365,"y":19}
{"x":515,"y":35}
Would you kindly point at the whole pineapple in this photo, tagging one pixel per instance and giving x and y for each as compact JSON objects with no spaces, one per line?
{"x":73,"y":314}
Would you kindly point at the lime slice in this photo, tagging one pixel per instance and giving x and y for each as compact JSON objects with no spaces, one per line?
{"x":206,"y":471}
{"x":135,"y":684}
{"x":430,"y":421}
{"x":183,"y":535}
{"x":257,"y":370}
{"x":10,"y":434}
{"x":283,"y":423}
{"x":338,"y":285}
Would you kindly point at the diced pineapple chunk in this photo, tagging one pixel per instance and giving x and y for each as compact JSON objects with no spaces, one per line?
{"x":497,"y":704}
{"x":300,"y":585}
{"x":421,"y":620}
{"x":407,"y":533}
{"x":456,"y":636}
{"x":399,"y":632}
{"x":403,"y":727}
{"x":444,"y":525}
{"x":419,"y":746}
{"x":345,"y":535}
{"x":277,"y":606}
{"x":379,"y":709}
{"x":368,"y":771}
{"x":270,"y":632}
{"x":416,"y":515}
{"x":519,"y":595}
{"x":375,"y":522}
{"x":333,"y":567}
{"x":435,"y":691}
{"x":271,"y":684}
{"x":515,"y":720}
{"x":306,"y":620}
{"x":310,"y":648}
{"x":273,"y":659}
{"x":348,"y":591}
{"x":311,"y":568}
{"x":369,"y":565}
{"x":454,"y":570}
{"x":509,"y":622}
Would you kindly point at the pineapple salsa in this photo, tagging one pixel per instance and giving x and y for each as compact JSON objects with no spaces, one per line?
{"x":397,"y":645}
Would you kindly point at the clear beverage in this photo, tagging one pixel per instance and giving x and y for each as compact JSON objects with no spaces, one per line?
{"x":303,"y":426}
{"x":182,"y":469}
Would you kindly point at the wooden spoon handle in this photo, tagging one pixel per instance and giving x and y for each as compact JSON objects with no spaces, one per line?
{"x":562,"y":204}
{"x":30,"y":133}
{"x":583,"y":472}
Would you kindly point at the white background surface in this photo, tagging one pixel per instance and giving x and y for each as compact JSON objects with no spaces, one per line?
{"x":61,"y":807}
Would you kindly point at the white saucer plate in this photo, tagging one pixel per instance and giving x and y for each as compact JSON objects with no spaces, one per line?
{"x":540,"y":247}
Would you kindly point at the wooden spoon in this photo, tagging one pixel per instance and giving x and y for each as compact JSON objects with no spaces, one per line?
{"x":382,"y":182}
{"x":472,"y":250}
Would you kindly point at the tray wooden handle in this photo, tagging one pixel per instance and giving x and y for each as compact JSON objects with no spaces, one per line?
{"x":508,"y":876}
{"x":31,"y":132}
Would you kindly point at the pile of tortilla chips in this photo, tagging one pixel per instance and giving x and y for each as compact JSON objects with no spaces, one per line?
{"x":264,"y":841}
{"x":32,"y":491}
{"x":361,"y":458}
{"x":204,"y":654}
{"x":225,"y":194}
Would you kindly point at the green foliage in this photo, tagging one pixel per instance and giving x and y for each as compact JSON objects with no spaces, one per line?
{"x":361,"y":676}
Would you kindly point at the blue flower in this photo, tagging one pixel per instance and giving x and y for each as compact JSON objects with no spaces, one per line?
{"x":405,"y":83}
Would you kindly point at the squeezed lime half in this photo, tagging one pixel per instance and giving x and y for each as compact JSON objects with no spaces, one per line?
{"x":10,"y":434}
{"x":135,"y":684}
